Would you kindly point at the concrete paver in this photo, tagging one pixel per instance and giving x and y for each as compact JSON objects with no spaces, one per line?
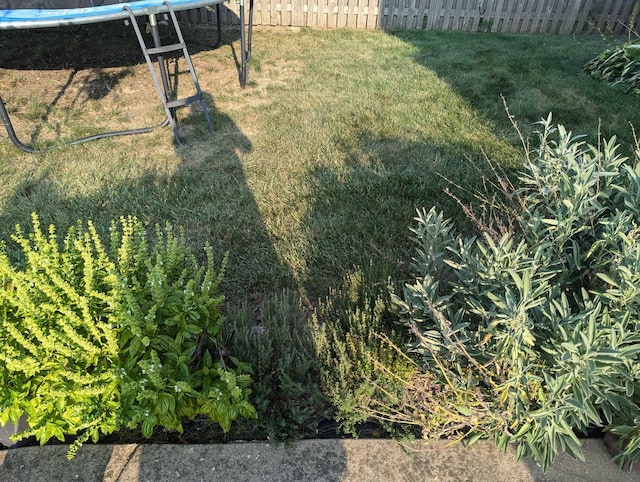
{"x":307,"y":460}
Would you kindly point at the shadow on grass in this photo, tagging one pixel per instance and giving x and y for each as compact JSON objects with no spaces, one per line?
{"x":363,"y":209}
{"x":356,"y":210}
{"x":535,"y":73}
{"x":207,"y":194}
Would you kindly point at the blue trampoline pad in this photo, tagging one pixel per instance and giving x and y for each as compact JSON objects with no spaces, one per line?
{"x":19,"y":14}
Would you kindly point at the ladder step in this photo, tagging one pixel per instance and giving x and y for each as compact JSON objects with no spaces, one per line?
{"x":172,"y":104}
{"x":162,"y":85}
{"x":165,"y":49}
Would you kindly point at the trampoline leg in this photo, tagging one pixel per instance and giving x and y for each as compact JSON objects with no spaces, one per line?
{"x":12,"y":134}
{"x":155,"y":35}
{"x":250,"y":30}
{"x":16,"y":142}
{"x":216,"y":44}
{"x":246,"y":32}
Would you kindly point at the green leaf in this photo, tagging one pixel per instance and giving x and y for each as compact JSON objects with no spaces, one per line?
{"x":632,"y":51}
{"x":194,"y":315}
{"x":528,"y":338}
{"x":194,"y":329}
{"x":502,"y":443}
{"x":607,"y":279}
{"x":630,"y":351}
{"x":516,"y":279}
{"x":622,"y":430}
{"x":166,"y":404}
{"x":524,"y":429}
{"x":147,"y":427}
{"x":607,"y":359}
{"x":247,"y":410}
{"x":473,"y":438}
{"x":58,"y":433}
{"x":463,"y":410}
{"x":575,"y":403}
{"x":574,"y":448}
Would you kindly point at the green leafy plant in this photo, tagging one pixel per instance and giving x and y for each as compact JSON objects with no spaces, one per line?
{"x":97,"y":338}
{"x":532,"y":336}
{"x":59,"y":353}
{"x":275,"y":338}
{"x":363,"y":369}
{"x":619,"y":65}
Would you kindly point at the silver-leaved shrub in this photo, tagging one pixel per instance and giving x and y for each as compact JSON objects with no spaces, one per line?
{"x":532,"y":336}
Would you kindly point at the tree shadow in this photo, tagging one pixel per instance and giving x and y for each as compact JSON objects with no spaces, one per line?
{"x":364,"y":208}
{"x":376,"y":182}
{"x":534,"y":73}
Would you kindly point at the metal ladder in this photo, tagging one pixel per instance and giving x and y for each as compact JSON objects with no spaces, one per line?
{"x":163,"y":86}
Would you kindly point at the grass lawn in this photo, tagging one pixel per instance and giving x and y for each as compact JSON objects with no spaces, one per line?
{"x":317,"y":166}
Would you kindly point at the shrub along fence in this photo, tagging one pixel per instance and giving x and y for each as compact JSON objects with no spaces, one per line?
{"x":515,"y":16}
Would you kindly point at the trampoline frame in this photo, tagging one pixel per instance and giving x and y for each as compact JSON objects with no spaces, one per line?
{"x":17,"y":18}
{"x":126,"y":11}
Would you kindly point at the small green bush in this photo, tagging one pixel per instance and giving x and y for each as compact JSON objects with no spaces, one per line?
{"x":363,"y":369}
{"x":94,"y":338}
{"x":618,"y":65}
{"x":275,"y":338}
{"x":533,"y":336}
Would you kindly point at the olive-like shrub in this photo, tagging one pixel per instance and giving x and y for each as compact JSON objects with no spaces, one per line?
{"x":532,"y":336}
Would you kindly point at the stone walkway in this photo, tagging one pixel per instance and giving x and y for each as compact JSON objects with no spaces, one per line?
{"x":308,"y":460}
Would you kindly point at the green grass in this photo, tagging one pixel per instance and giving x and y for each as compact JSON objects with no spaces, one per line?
{"x":322,"y":159}
{"x":316,"y":167}
{"x":535,"y":73}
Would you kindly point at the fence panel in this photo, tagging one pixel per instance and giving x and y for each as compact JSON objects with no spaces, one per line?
{"x":615,"y":16}
{"x":515,"y":16}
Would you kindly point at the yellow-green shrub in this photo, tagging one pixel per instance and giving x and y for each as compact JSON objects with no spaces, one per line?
{"x":95,"y":338}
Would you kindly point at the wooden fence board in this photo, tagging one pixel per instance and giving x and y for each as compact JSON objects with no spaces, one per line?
{"x":604,"y":17}
{"x":265,"y":12}
{"x":623,"y":13}
{"x":613,"y":13}
{"x":363,"y":15}
{"x":340,"y":14}
{"x":494,"y":17}
{"x":514,"y":16}
{"x":300,"y":14}
{"x":583,"y":18}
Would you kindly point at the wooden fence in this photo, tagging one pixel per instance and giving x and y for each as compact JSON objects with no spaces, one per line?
{"x":516,"y":16}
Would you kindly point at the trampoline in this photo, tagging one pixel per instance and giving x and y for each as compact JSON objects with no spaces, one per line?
{"x":31,"y":14}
